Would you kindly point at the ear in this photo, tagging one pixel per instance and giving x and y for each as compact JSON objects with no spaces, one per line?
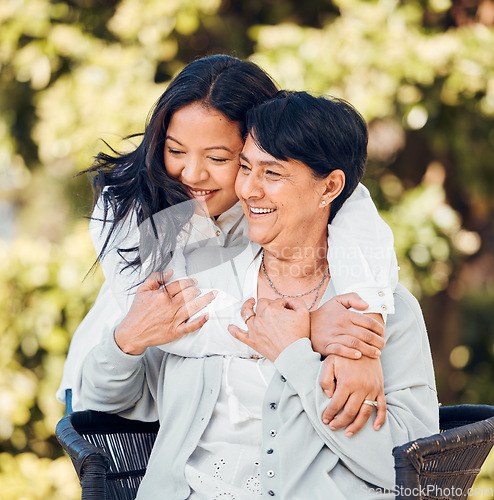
{"x":333,"y":186}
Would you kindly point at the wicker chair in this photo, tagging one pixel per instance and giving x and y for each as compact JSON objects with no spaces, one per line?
{"x":444,"y":466}
{"x":110,"y":453}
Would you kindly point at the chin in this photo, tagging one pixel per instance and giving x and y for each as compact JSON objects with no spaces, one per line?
{"x":259,"y":238}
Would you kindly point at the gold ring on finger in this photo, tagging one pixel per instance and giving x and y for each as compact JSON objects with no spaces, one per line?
{"x":248,"y":317}
{"x":370,"y":403}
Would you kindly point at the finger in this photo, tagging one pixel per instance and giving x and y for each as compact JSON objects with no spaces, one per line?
{"x":192,"y":326}
{"x":248,"y":307}
{"x":338,"y":401}
{"x":161,"y":276}
{"x":367,"y":322}
{"x":155,"y":280}
{"x":368,"y":338}
{"x":177,"y":286}
{"x":189,"y":308}
{"x":352,"y":300}
{"x":342,"y":351}
{"x":364,"y":413}
{"x":263,"y":304}
{"x":353,"y":342}
{"x":349,"y":412}
{"x":326,"y":378}
{"x":239,"y":334}
{"x":294,"y":303}
{"x":381,"y":412}
{"x":184,"y":296}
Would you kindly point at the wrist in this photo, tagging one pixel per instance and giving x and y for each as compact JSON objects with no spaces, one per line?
{"x":127,"y":343}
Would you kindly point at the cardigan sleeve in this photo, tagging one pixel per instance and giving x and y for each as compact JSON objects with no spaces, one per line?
{"x":412,"y":407}
{"x":112,"y":303}
{"x":115,"y":382}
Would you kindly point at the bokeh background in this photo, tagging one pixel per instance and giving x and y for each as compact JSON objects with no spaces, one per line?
{"x":76,"y":72}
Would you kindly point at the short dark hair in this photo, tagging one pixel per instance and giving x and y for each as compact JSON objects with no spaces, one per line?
{"x":325,"y":133}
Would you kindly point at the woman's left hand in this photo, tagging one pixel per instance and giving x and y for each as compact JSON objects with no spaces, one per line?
{"x":274,"y":326}
{"x":350,"y":382}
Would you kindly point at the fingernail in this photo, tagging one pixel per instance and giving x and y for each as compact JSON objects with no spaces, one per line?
{"x":215,"y":293}
{"x":378,"y":427}
{"x":348,"y":434}
{"x":357,"y":354}
{"x":325,"y":421}
{"x":378,"y":352}
{"x":195,"y":281}
{"x":206,"y":317}
{"x":332,"y":427}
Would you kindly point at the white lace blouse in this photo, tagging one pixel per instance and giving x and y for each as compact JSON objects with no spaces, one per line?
{"x":226,"y":462}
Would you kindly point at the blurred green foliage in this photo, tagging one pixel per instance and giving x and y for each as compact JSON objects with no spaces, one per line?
{"x":72,"y":73}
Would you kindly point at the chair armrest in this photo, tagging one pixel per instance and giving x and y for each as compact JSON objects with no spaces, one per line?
{"x":78,"y":448}
{"x":448,"y":460}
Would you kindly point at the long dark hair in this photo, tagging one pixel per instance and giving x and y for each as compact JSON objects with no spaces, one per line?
{"x":137,"y":183}
{"x":325,"y":133}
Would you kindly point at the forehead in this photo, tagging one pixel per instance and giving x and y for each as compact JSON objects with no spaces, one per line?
{"x":252,"y":153}
{"x":202,"y":122}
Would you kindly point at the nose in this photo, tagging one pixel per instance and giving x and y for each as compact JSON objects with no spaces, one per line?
{"x":249,"y":186}
{"x":194,"y":171}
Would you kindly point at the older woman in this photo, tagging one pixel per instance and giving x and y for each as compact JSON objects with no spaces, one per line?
{"x":303,"y":157}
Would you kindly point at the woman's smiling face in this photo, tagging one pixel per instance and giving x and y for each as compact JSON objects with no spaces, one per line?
{"x":282,"y":200}
{"x":202,"y":151}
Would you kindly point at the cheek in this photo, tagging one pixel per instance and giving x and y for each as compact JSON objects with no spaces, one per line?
{"x":239,"y":183}
{"x":226,"y":179}
{"x":173,"y":166}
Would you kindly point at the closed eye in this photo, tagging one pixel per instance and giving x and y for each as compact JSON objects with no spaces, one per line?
{"x":245,"y":168}
{"x":218,"y":160}
{"x":175,"y":151}
{"x":273,"y":174}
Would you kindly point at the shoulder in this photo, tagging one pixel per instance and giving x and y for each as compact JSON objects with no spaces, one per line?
{"x":126,"y":233}
{"x":407,"y":324}
{"x":407,"y":308}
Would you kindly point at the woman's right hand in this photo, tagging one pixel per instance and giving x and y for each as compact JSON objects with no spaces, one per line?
{"x":160,"y":311}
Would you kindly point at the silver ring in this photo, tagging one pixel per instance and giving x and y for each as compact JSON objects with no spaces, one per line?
{"x":370,"y":403}
{"x":248,"y":317}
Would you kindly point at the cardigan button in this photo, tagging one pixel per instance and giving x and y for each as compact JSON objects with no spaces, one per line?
{"x":218,"y":232}
{"x":272,"y":406}
{"x":283,"y":379}
{"x":271,"y":493}
{"x":380,"y":293}
{"x":272,"y":433}
{"x":270,"y":473}
{"x":270,"y":451}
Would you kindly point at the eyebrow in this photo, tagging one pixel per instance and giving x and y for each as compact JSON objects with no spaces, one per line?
{"x":210,"y":148}
{"x":263,"y":163}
